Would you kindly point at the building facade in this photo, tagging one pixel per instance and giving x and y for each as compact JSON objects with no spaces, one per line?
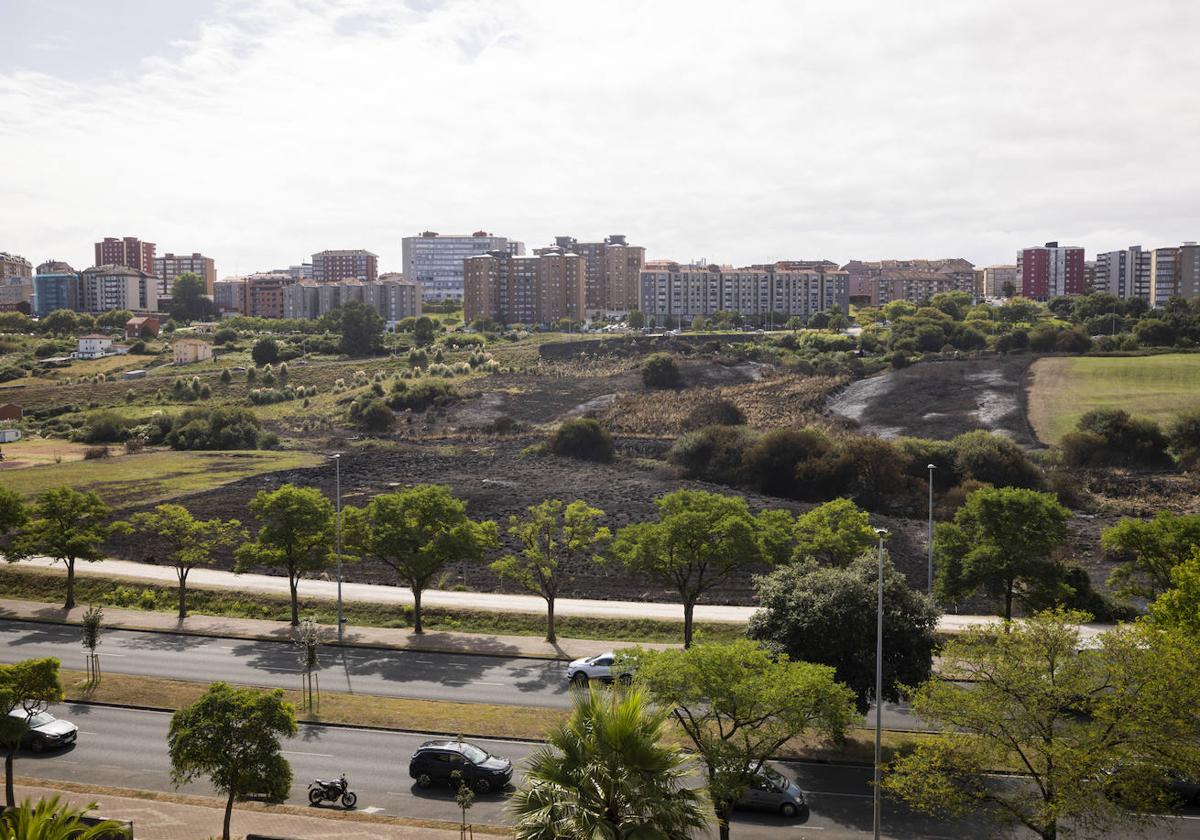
{"x":392,"y":296}
{"x":994,"y":280}
{"x":187,"y":351}
{"x":332,"y":266}
{"x":55,"y":286}
{"x":129,"y":251}
{"x":1187,"y":271}
{"x":613,"y":266}
{"x":106,"y":287}
{"x":878,"y":282}
{"x":170,"y":266}
{"x":229,"y":295}
{"x":684,"y":292}
{"x":1051,"y":270}
{"x":435,"y":261}
{"x":1164,"y":279}
{"x":263,"y":294}
{"x":17,"y":297}
{"x":14,"y":269}
{"x":1125,"y":274}
{"x":540,"y":289}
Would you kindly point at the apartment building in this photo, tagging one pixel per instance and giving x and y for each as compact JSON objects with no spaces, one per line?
{"x":685,"y":291}
{"x":229,"y":295}
{"x":1125,"y":274}
{"x":105,"y":287}
{"x":16,"y":296}
{"x":539,"y":289}
{"x":263,"y":294}
{"x":613,"y":266}
{"x":128,"y":250}
{"x":878,"y":282}
{"x":993,"y":280}
{"x":170,"y":266}
{"x":1187,"y":271}
{"x":392,"y":296}
{"x":1164,"y":279}
{"x":14,"y":269}
{"x":55,"y":286}
{"x":435,"y":261}
{"x":1051,"y":270}
{"x":332,"y":266}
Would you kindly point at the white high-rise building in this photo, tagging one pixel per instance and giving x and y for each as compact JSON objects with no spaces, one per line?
{"x":435,"y":261}
{"x":1125,"y":274}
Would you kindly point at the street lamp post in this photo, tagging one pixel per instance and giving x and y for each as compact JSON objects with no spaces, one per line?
{"x":337,"y":460}
{"x":931,"y":469}
{"x":878,"y":802}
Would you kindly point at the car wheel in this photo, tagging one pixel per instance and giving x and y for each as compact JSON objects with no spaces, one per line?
{"x":788,"y":809}
{"x":580,"y":679}
{"x":482,"y":786}
{"x":37,"y":745}
{"x":315,"y":796}
{"x":424,"y":780}
{"x":349,"y":800}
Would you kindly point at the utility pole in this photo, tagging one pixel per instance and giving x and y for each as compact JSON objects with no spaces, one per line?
{"x":878,"y":801}
{"x":931,"y":469}
{"x":341,"y":621}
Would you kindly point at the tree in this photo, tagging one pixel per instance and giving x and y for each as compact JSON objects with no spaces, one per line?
{"x":188,"y":301}
{"x":1002,"y":540}
{"x":60,"y":322}
{"x":13,"y":515}
{"x":423,"y":331}
{"x":827,"y":615}
{"x":834,"y":533}
{"x":1095,"y":731}
{"x":739,"y":705}
{"x":53,"y":819}
{"x":264,"y":352}
{"x":67,"y":525}
{"x":415,"y":533}
{"x":231,"y":736}
{"x":699,"y":541}
{"x":1018,"y":310}
{"x":635,"y":320}
{"x":296,"y":528}
{"x":362,"y":329}
{"x":370,"y":414}
{"x":583,"y":438}
{"x":1008,"y":288}
{"x":113,"y":318}
{"x":29,"y":687}
{"x":607,"y":772}
{"x":554,"y":538}
{"x":174,"y":535}
{"x":1149,"y":550}
{"x":1179,"y":606}
{"x":660,"y":371}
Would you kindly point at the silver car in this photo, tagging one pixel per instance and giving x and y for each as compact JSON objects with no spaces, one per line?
{"x":46,"y":732}
{"x":769,"y":790}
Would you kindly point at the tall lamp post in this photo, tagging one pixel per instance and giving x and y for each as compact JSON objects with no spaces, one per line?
{"x":337,"y":460}
{"x":931,"y":469}
{"x":882,"y":532}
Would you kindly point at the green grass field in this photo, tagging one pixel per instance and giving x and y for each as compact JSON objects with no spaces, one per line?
{"x":127,"y":480}
{"x":1064,"y":388}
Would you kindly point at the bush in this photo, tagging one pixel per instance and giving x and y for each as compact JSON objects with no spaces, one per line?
{"x":138,"y":348}
{"x":995,"y":460}
{"x":714,"y":413}
{"x":1112,"y":437}
{"x":1183,"y":437}
{"x":714,"y":453}
{"x":104,"y":427}
{"x":265,"y":351}
{"x":459,"y":341}
{"x":582,"y":438}
{"x":214,"y":428}
{"x":93,"y":453}
{"x":420,"y":396}
{"x":371,"y":414}
{"x":661,"y":371}
{"x":773,"y":462}
{"x":46,"y":349}
{"x":224,"y":336}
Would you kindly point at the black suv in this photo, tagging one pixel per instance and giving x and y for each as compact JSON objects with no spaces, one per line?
{"x":435,"y":761}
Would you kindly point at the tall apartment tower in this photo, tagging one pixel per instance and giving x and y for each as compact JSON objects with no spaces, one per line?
{"x":614,"y":270}
{"x":14,"y":269}
{"x":55,"y":286}
{"x":435,"y":260}
{"x":541,"y":289}
{"x":129,"y":251}
{"x":1164,"y":277}
{"x":1050,"y":271}
{"x":169,"y":267}
{"x":1125,"y":274}
{"x":332,"y":266}
{"x":1187,"y":271}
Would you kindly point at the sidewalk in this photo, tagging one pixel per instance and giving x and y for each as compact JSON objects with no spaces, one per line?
{"x":198,"y":817}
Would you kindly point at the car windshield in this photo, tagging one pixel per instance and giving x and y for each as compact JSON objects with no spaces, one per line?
{"x":474,"y":754}
{"x":41,"y":719}
{"x":773,"y":776}
{"x":598,"y":657}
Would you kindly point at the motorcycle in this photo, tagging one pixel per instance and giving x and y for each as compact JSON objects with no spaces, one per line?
{"x":331,"y":791}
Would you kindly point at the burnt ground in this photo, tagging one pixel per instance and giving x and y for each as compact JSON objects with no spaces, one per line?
{"x":942,"y":399}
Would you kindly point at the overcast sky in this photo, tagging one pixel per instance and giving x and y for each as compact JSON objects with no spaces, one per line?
{"x":260,"y":131}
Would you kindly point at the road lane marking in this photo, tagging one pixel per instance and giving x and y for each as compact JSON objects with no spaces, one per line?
{"x":297,"y":752}
{"x":122,"y":655}
{"x":832,"y":793}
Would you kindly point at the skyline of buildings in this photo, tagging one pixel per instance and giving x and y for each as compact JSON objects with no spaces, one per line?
{"x":687,"y":291}
{"x":435,"y":260}
{"x":346,"y":264}
{"x":169,"y":266}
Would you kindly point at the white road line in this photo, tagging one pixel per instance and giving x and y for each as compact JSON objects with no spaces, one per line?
{"x":121,"y":655}
{"x":424,"y":661}
{"x":297,"y":752}
{"x":833,"y":793}
{"x":470,"y":682}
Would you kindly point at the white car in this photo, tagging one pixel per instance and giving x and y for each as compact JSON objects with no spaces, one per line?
{"x":598,"y":667}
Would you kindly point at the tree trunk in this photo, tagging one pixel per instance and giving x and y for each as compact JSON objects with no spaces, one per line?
{"x":70,"y":604}
{"x":9,"y":797}
{"x":182,"y":593}
{"x":417,"y":628}
{"x":722,"y":813}
{"x":294,"y":585}
{"x":1008,"y":599}
{"x":689,"y":606}
{"x":550,"y":636}
{"x":228,"y":815}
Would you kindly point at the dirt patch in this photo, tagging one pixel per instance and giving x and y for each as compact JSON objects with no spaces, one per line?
{"x":942,"y":399}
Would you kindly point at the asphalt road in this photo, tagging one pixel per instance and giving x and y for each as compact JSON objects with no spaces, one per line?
{"x":413,"y":674}
{"x":127,"y":748}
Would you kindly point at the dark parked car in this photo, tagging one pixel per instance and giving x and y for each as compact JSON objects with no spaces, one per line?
{"x":46,"y":732}
{"x":435,"y":761}
{"x":772,"y":791}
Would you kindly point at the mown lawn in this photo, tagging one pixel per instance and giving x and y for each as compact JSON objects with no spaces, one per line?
{"x":1064,"y":388}
{"x":127,"y":480}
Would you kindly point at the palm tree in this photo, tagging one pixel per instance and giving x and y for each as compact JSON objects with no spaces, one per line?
{"x":607,"y":775}
{"x":52,"y":819}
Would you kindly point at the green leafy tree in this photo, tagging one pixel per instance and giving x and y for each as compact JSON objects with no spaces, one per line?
{"x":188,"y":301}
{"x":826,"y":615}
{"x":660,"y":370}
{"x":53,"y":819}
{"x":834,"y":533}
{"x":174,"y":535}
{"x":1096,"y":731}
{"x":554,"y":537}
{"x":295,"y":532}
{"x":27,"y":688}
{"x":1149,"y":549}
{"x":231,"y":737}
{"x":699,"y":541}
{"x":423,"y":331}
{"x":264,"y":352}
{"x":739,"y":705}
{"x":67,"y":526}
{"x":1179,"y":606}
{"x":113,"y":318}
{"x":362,"y":329}
{"x":608,"y":772}
{"x":13,"y":515}
{"x":60,"y":322}
{"x":415,"y":533}
{"x":635,"y":320}
{"x":1002,"y":540}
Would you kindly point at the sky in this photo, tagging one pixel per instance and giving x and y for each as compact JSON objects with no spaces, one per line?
{"x":260,"y":131}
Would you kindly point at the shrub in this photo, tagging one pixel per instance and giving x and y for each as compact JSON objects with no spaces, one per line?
{"x":46,"y":349}
{"x":265,"y":351}
{"x":1183,"y":437}
{"x":224,"y":336}
{"x":714,"y":413}
{"x":370,"y":414}
{"x":93,"y":453}
{"x":1112,"y":437}
{"x":582,"y":438}
{"x":420,"y":396}
{"x":459,"y":341}
{"x":226,"y":376}
{"x":899,"y":359}
{"x":214,"y":428}
{"x":138,"y":348}
{"x":268,"y":440}
{"x":995,"y":460}
{"x":714,"y":453}
{"x":660,"y":370}
{"x":104,"y":427}
{"x":418,"y":358}
{"x":773,"y":462}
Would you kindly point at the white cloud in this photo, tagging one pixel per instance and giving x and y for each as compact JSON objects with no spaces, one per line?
{"x":735,"y":131}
